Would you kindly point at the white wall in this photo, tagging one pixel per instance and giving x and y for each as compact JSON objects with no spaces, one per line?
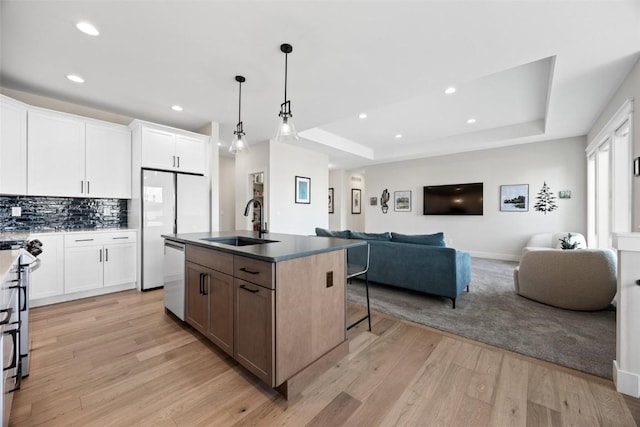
{"x":630,"y":89}
{"x":496,"y":234}
{"x":287,"y":161}
{"x":227,"y":191}
{"x":256,"y":160}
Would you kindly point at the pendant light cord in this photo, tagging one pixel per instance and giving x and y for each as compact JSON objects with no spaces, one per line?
{"x":286,"y":56}
{"x":239,"y":100}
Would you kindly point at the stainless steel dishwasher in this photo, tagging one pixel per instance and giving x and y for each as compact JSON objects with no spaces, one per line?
{"x":174,"y":284}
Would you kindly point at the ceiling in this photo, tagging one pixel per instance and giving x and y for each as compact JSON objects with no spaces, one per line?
{"x":525,"y":70}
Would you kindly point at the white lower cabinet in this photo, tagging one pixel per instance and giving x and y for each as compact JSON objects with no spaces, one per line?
{"x":48,"y":280}
{"x":119,"y":264}
{"x":82,"y":268}
{"x":77,"y":265}
{"x":97,"y":260}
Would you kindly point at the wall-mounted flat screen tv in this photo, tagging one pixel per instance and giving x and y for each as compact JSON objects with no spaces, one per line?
{"x":457,"y":199}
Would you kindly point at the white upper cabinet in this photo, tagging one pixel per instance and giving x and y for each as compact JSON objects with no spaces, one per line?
{"x":191,"y":154}
{"x":70,"y":156}
{"x":13,"y":146}
{"x":55,"y":155}
{"x":170,"y":149}
{"x":108,"y":161}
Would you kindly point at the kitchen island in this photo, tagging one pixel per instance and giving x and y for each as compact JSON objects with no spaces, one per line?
{"x":276,"y":303}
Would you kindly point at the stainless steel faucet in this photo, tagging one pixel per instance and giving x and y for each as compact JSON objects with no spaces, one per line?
{"x":261,"y":229}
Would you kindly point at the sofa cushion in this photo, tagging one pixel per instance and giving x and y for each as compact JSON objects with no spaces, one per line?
{"x":370,"y":236}
{"x":344,"y":234}
{"x":436,"y":239}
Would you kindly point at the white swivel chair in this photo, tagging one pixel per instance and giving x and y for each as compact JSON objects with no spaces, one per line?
{"x":356,"y":270}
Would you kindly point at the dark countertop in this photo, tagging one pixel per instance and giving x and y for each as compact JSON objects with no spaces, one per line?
{"x":287,"y":246}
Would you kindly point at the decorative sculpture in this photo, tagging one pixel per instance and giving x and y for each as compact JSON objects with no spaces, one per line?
{"x":383,"y":201}
{"x":546,"y":200}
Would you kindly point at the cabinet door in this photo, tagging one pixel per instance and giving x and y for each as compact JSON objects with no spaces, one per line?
{"x":13,"y":148}
{"x":254,"y":325}
{"x":48,"y":279}
{"x":82,"y":268}
{"x":108,"y":161}
{"x":119,"y":264}
{"x":55,"y":155}
{"x":191,"y":154}
{"x":219,"y":288}
{"x":158,"y":149}
{"x":197,"y":309}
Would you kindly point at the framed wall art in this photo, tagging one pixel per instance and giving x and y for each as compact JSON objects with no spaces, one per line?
{"x":330,"y":200}
{"x":303,"y":189}
{"x":402,"y":201}
{"x":514,"y":198}
{"x":356,"y":205}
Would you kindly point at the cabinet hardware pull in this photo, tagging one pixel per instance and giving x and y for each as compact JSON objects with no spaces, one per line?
{"x":205,"y":289}
{"x":88,"y":188}
{"x":81,"y":187}
{"x":178,"y":161}
{"x":201,"y":283}
{"x":84,"y":240}
{"x":8,"y":312}
{"x":253,"y":291}
{"x":106,"y":255}
{"x":123,"y":237}
{"x":100,"y":255}
{"x":246,"y":270}
{"x":16,"y":345}
{"x":174,"y":161}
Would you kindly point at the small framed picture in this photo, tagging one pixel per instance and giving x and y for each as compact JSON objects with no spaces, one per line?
{"x":373,"y":201}
{"x":514,"y":198}
{"x":402,"y":201}
{"x":356,"y":205}
{"x":564,"y":194}
{"x":330,"y":200}
{"x":303,"y":189}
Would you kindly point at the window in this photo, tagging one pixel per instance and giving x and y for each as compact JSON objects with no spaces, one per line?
{"x":609,"y":180}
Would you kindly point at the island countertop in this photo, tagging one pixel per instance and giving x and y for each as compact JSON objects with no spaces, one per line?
{"x":284,"y":247}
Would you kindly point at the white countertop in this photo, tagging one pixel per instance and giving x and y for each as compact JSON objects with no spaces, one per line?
{"x":23,"y":235}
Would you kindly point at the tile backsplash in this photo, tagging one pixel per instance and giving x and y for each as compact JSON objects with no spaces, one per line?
{"x":61,"y":213}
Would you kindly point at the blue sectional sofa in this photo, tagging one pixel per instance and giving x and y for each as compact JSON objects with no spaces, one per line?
{"x":418,"y":262}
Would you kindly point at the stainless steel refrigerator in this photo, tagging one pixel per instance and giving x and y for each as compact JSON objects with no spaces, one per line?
{"x":171,"y":203}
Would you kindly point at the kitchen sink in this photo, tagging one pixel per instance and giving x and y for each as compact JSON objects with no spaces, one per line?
{"x":238,"y":240}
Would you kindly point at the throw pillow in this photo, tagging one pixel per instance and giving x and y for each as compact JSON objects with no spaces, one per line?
{"x":345,"y":234}
{"x":436,"y":239}
{"x":370,"y":236}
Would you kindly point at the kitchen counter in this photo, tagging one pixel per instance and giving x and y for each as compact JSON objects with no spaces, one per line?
{"x":285,"y":247}
{"x":26,"y":234}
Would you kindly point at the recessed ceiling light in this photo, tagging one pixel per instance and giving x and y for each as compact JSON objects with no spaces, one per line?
{"x":471,"y":120}
{"x":450,"y":90}
{"x":87,"y":28}
{"x":363,"y":115}
{"x":75,"y":78}
{"x":176,"y":108}
{"x":398,"y":135}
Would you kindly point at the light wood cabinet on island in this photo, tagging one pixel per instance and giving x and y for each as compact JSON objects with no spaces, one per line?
{"x":279,"y":320}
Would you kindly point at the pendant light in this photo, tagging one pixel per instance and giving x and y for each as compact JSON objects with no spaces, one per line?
{"x":239,"y":143}
{"x":286,"y":130}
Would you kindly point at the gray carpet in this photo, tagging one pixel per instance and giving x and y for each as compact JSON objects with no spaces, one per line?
{"x":494,"y":314}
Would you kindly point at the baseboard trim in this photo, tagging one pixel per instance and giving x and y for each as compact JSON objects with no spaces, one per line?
{"x":626,"y":382}
{"x":79,"y":295}
{"x":493,"y":255}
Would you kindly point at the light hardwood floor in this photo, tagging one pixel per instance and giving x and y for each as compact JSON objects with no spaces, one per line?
{"x":120,"y":360}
